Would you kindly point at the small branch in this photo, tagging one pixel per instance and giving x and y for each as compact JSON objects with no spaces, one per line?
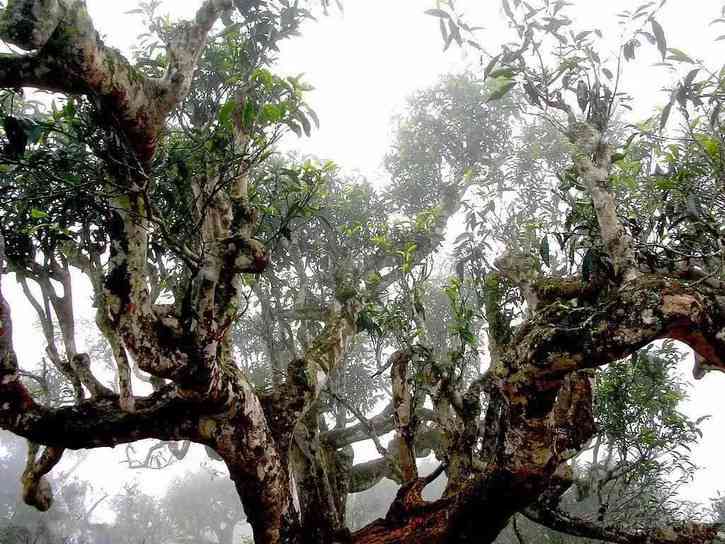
{"x":186,"y":47}
{"x":369,"y":427}
{"x":563,"y":522}
{"x":36,"y":489}
{"x":380,"y":424}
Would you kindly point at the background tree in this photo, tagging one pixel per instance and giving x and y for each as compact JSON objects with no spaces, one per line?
{"x":203,"y":507}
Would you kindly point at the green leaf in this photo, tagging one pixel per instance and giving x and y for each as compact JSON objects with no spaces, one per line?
{"x":249,"y":115}
{"x":715,"y":116}
{"x":314,"y":117}
{"x":660,"y":37}
{"x":448,"y":41}
{"x":225,"y":113}
{"x":532,"y":94}
{"x":507,"y":73}
{"x":679,"y":56}
{"x":501,"y":89}
{"x":69,"y":110}
{"x":437,"y":13}
{"x":271,"y":113}
{"x":295,"y":128}
{"x":587,"y":265}
{"x":544,"y":251}
{"x":306,"y":125}
{"x":455,"y":32}
{"x":33,"y":130}
{"x":232,"y":29}
{"x":710,"y":145}
{"x":38,"y":214}
{"x":690,"y":77}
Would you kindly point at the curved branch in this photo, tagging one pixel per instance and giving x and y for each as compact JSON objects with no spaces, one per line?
{"x":365,"y":475}
{"x":36,"y":489}
{"x":98,"y":422}
{"x":187,"y":46}
{"x":91,"y":423}
{"x":562,"y":338}
{"x":380,"y":424}
{"x":70,"y":58}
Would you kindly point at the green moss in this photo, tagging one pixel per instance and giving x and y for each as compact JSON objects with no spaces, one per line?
{"x":550,"y":289}
{"x":498,"y":322}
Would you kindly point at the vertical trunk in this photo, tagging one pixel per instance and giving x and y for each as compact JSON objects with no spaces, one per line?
{"x":315,"y":472}
{"x":404,"y":415}
{"x":258,"y":466}
{"x":269,"y":511}
{"x":593,"y":161}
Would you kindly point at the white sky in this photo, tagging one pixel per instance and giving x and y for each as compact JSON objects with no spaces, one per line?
{"x":363,"y":64}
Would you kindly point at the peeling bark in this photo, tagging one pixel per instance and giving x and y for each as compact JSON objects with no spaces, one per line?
{"x":404,"y":415}
{"x":593,"y":161}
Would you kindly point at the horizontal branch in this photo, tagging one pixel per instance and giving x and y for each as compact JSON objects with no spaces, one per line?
{"x":22,"y":71}
{"x":98,"y":422}
{"x":380,"y":424}
{"x":365,"y":475}
{"x":563,"y":522}
{"x":563,"y":337}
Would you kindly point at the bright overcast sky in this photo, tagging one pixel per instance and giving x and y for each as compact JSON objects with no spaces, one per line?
{"x":365,"y":62}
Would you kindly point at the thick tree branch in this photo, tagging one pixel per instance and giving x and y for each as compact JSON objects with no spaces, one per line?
{"x":565,"y":337}
{"x":380,"y":424}
{"x":23,"y":70}
{"x":186,"y":47}
{"x":98,"y":422}
{"x":69,"y":57}
{"x":541,"y":445}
